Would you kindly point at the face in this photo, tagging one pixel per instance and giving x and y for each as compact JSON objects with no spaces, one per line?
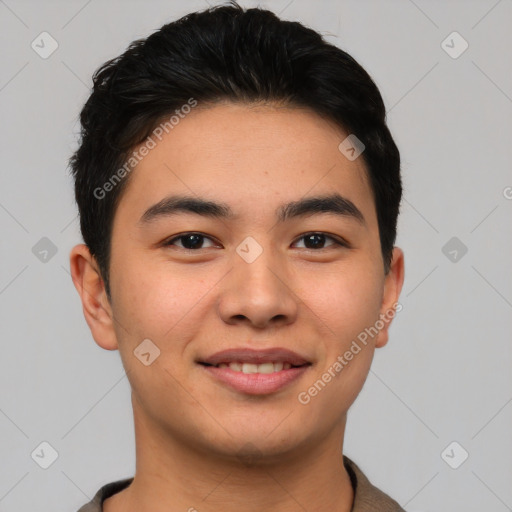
{"x":295,"y":286}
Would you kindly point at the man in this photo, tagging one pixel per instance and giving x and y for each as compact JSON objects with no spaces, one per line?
{"x":238,"y":192}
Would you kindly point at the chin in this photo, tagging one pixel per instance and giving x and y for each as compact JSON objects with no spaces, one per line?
{"x":258,"y":445}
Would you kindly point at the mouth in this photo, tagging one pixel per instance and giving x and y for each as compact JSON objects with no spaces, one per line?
{"x":265,"y":368}
{"x":255,"y":372}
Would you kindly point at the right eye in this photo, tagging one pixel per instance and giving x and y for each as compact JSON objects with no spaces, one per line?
{"x":189,"y":241}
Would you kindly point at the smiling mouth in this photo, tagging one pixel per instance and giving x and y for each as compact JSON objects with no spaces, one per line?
{"x":265,"y":368}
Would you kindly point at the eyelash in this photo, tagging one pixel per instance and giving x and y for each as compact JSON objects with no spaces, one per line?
{"x":336,"y":241}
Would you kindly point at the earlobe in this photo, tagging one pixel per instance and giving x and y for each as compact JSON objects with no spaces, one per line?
{"x":96,"y":306}
{"x":393,"y":283}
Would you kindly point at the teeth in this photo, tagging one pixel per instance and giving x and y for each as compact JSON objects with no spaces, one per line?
{"x":265,"y":368}
{"x":256,"y":368}
{"x":249,"y":368}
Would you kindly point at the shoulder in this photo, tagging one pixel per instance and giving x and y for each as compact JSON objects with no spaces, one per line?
{"x":367,"y":497}
{"x":96,"y":504}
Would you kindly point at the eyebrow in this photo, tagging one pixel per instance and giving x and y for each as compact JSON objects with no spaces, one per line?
{"x":175,"y":204}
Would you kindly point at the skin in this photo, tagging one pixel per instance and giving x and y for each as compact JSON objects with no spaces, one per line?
{"x":195,"y":436}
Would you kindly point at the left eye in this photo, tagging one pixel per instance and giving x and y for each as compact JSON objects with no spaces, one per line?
{"x":317,"y":239}
{"x":192,"y":241}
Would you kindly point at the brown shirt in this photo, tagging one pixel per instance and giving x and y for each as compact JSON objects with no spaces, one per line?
{"x":367,"y":498}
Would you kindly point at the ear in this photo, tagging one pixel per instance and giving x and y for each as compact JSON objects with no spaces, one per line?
{"x":393,"y":282}
{"x":96,"y":306}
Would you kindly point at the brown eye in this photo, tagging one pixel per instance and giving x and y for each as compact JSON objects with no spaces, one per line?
{"x":317,"y":241}
{"x":189,"y":241}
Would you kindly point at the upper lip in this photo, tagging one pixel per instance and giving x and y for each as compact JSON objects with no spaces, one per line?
{"x":261,"y":356}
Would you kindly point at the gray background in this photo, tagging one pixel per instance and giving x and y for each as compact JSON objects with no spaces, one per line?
{"x":446,"y":373}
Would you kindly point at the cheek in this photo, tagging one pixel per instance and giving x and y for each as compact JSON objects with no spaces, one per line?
{"x":346,"y":353}
{"x":352,"y":309}
{"x":156,"y":301}
{"x":344,"y":302}
{"x":162,"y":305}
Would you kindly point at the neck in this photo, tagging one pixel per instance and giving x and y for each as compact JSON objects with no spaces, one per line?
{"x":172,"y":475}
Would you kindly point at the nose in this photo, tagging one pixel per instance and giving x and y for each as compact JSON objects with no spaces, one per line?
{"x":259,"y":293}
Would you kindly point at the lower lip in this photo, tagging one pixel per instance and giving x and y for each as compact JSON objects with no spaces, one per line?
{"x":256,"y":383}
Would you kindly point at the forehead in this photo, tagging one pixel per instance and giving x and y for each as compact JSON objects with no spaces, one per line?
{"x":250,"y":156}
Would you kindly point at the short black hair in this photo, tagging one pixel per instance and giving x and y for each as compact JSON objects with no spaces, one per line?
{"x":224,"y":53}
